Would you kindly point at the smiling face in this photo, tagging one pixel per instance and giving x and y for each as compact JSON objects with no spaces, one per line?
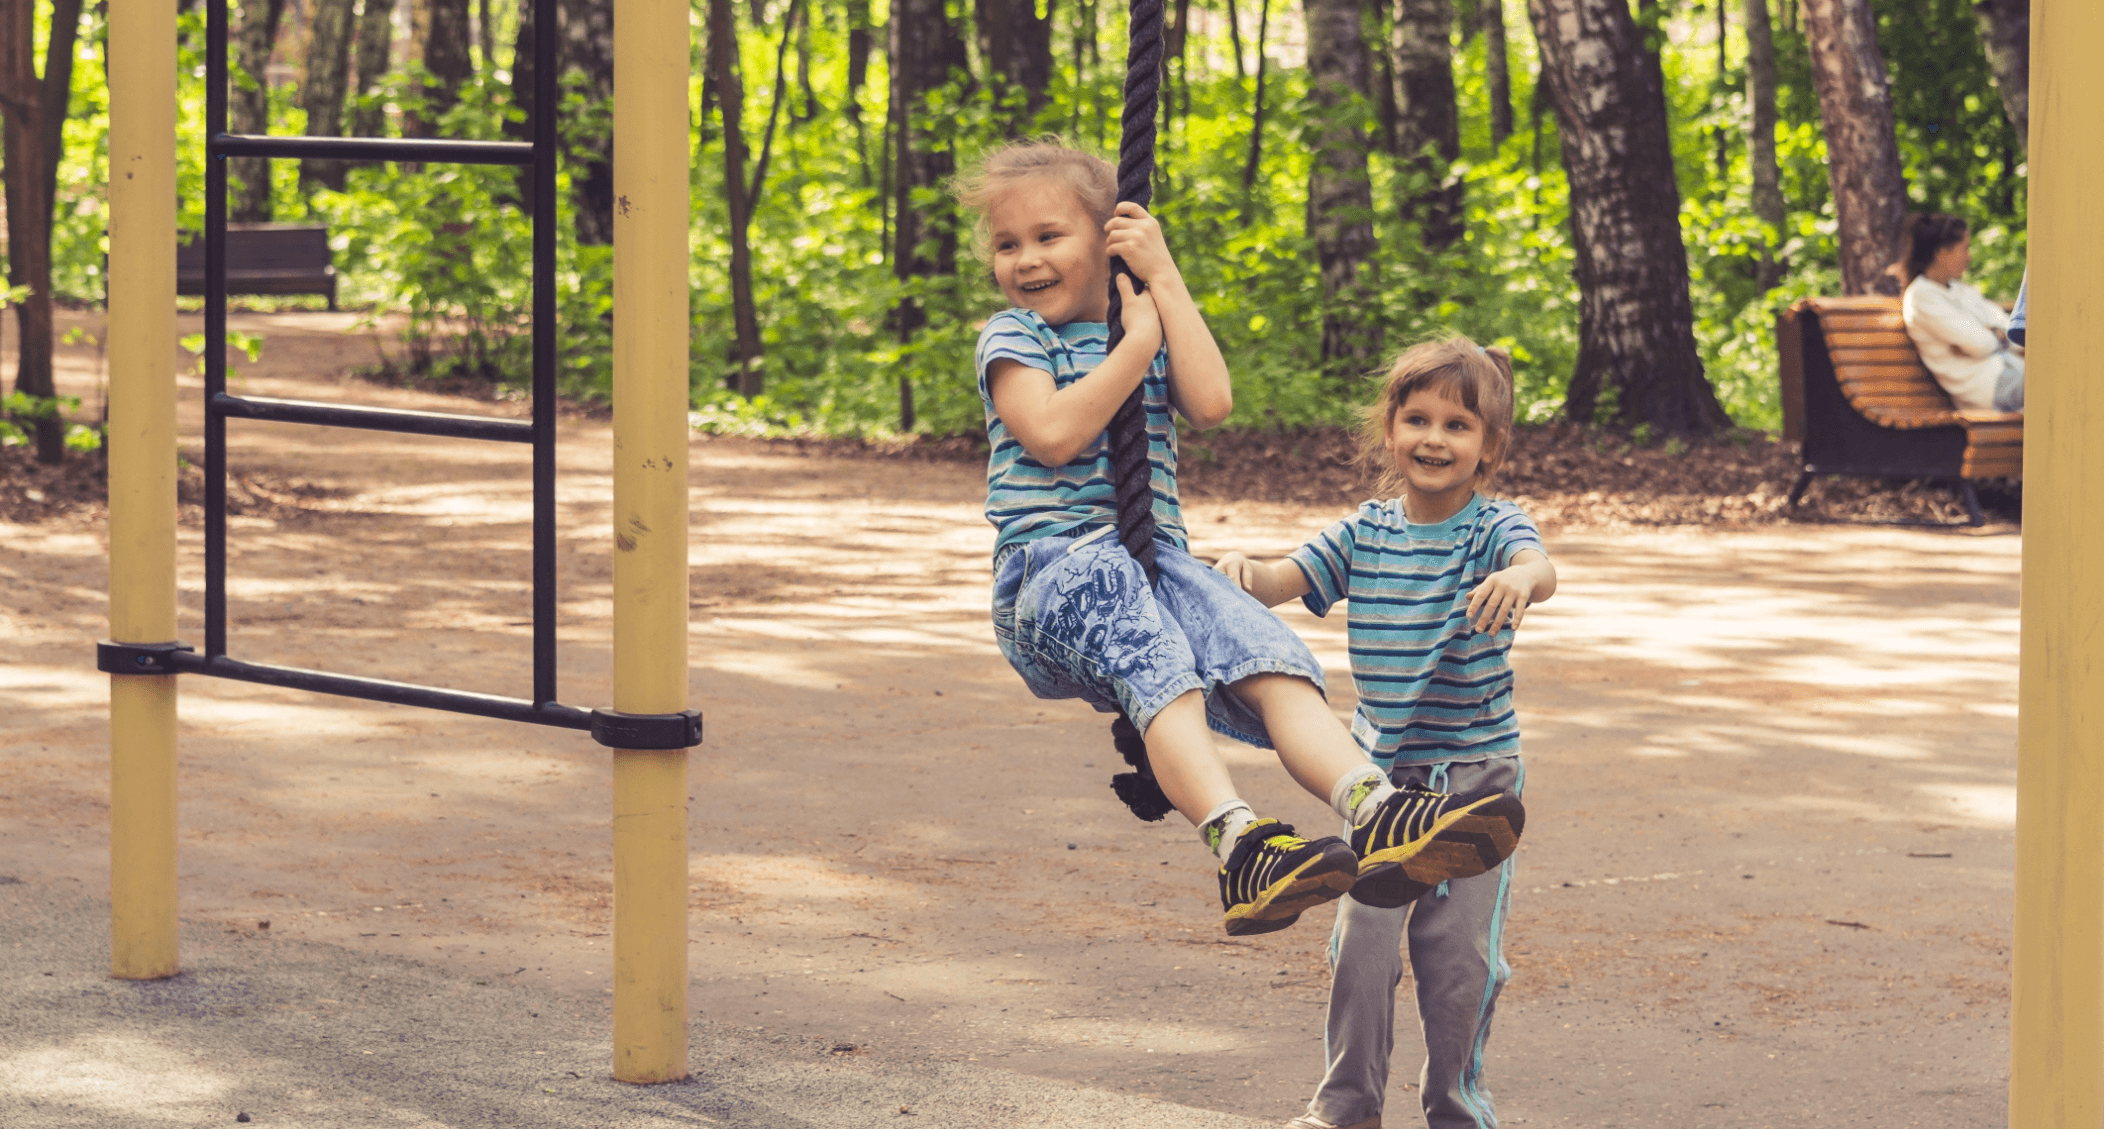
{"x":1437,"y":445}
{"x":1048,"y":253}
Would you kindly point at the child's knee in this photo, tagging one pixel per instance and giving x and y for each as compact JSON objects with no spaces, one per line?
{"x":1272,"y":689}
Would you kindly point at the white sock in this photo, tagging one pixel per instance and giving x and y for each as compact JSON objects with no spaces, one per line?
{"x":1225,"y":824}
{"x":1358,"y":792}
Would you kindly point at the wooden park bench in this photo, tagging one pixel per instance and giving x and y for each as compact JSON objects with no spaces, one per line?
{"x":1857,"y":396}
{"x":264,"y":258}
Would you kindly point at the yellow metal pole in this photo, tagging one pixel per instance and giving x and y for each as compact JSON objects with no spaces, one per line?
{"x":650,"y":533}
{"x":2056,"y":1076}
{"x":141,"y":336}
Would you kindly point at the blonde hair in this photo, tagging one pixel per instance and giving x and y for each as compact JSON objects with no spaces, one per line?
{"x":1093,"y":180}
{"x":1455,"y":367}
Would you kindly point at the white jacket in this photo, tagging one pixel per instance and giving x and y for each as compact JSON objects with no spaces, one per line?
{"x":1953,"y":328}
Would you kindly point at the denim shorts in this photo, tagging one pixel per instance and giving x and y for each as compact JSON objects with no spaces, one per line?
{"x":1076,"y":619}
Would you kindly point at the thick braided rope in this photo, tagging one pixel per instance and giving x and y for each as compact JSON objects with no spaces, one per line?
{"x":1130,"y":473}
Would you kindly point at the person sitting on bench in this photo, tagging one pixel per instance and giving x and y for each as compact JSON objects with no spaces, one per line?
{"x":1963,"y":338}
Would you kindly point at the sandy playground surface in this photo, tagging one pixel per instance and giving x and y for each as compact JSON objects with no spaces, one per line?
{"x":1766,"y":879}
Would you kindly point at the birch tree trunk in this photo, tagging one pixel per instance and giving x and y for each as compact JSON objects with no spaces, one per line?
{"x":32,"y":119}
{"x":248,"y":108}
{"x":588,"y":48}
{"x":1340,"y":194}
{"x":747,"y":378}
{"x":1635,"y":324}
{"x":1497,"y":71}
{"x":2005,"y":31}
{"x":925,"y":49}
{"x":1427,"y":122}
{"x":375,"y":42}
{"x":322,"y":92}
{"x":1760,"y":141}
{"x":1855,"y":104}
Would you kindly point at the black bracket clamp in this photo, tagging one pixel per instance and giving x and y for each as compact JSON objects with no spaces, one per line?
{"x":138,"y":658}
{"x":647,"y":730}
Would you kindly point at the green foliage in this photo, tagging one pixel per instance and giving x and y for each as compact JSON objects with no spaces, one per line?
{"x":449,"y":248}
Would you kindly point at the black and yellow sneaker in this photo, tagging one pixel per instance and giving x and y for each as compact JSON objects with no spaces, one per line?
{"x":1273,"y":876}
{"x":1419,"y":838}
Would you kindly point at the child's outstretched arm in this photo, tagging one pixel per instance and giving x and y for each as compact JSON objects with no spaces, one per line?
{"x":1055,"y":425}
{"x":1198,"y":377}
{"x":1509,"y":592}
{"x":1272,"y":583}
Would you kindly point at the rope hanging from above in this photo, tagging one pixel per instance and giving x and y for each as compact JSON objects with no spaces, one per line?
{"x":1131,"y":474}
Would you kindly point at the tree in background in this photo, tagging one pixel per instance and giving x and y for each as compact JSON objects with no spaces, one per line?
{"x":33,"y":115}
{"x":1635,"y":323}
{"x":1760,"y":142}
{"x":2005,"y":31}
{"x":588,"y":51}
{"x":248,"y":108}
{"x":1340,"y":193}
{"x":375,"y":41}
{"x":1427,"y":135}
{"x":1497,"y":71}
{"x":448,"y":56}
{"x":1016,"y":45}
{"x":323,"y":88}
{"x":925,"y":50}
{"x":1870,"y":193}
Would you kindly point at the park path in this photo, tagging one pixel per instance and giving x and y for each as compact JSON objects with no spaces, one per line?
{"x":1766,"y":880}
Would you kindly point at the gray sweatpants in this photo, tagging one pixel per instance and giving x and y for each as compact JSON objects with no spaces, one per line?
{"x":1457,"y":957}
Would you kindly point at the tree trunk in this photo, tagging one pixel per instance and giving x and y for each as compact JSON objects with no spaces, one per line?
{"x":32,"y":120}
{"x":1870,"y":192}
{"x":524,"y":67}
{"x":1256,"y":116}
{"x":1497,"y":71}
{"x":747,"y":378}
{"x":1767,"y":179}
{"x":321,"y":94}
{"x":925,"y":49}
{"x":1016,"y":44}
{"x":1427,"y":124}
{"x":1234,"y":38}
{"x":248,"y":108}
{"x":1340,"y":195}
{"x":859,"y":42}
{"x":449,"y":56}
{"x":1635,"y":323}
{"x":588,"y":47}
{"x":2005,"y":30}
{"x":375,"y":39}
{"x":485,"y":34}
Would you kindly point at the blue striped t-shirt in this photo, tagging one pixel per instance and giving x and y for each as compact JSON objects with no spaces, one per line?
{"x":1430,"y":688}
{"x":1026,"y":499}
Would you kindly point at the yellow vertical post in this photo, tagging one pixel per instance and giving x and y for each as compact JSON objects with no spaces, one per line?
{"x":141,"y":334}
{"x":2056,"y":1076}
{"x":650,"y":533}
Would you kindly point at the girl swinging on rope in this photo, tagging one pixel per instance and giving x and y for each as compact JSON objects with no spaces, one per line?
{"x":1190,"y":653}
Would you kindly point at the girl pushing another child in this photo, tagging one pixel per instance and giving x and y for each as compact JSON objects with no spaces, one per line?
{"x":1437,"y":580}
{"x":1075,"y":614}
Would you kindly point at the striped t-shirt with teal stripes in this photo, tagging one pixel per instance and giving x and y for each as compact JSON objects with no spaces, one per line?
{"x":1026,"y":499}
{"x":1430,"y":687}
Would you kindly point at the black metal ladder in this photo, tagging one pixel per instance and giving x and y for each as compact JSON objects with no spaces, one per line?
{"x":617,"y":730}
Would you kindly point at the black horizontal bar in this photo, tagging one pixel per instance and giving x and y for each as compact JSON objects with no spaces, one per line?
{"x":372,"y":419}
{"x":379,"y":690}
{"x":428,"y":149}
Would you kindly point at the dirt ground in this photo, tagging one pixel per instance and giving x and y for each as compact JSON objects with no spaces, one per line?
{"x":1766,"y":880}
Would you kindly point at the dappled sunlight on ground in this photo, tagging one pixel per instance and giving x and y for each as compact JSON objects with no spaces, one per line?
{"x":1771,"y":788}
